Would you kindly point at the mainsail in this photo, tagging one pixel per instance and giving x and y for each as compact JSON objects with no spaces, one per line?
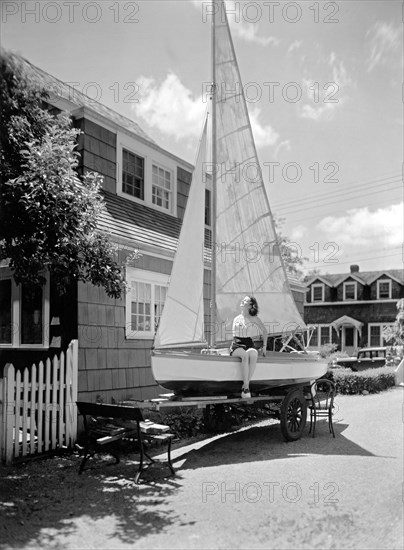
{"x":182,"y":318}
{"x":248,"y":258}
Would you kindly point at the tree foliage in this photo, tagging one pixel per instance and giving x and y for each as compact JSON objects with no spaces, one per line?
{"x":395,"y":334}
{"x":48,"y":216}
{"x":291,"y":252}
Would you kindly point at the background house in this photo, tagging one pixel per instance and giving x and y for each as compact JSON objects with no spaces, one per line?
{"x":351,"y":309}
{"x":145,"y":190}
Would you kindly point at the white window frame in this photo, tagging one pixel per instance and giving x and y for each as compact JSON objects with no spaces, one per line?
{"x":317,"y":330}
{"x":144,"y":176}
{"x":6,"y":273}
{"x":171,"y":198}
{"x":148,"y":277}
{"x":381,"y":340}
{"x":378,"y":289}
{"x":355,"y":285}
{"x":150,"y":156}
{"x":317,"y":285}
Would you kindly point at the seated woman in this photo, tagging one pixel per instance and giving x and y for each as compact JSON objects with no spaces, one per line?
{"x":246,"y":326}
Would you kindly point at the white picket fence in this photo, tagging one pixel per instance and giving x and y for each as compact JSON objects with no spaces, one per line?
{"x":39,"y":410}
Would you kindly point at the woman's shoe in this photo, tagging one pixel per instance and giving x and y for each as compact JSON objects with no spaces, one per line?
{"x":245,"y":393}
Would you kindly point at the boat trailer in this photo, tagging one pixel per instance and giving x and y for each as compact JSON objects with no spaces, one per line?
{"x":290,"y":407}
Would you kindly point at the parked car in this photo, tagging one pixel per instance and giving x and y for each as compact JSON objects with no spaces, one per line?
{"x":366,"y":358}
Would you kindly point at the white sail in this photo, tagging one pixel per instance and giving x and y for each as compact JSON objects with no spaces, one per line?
{"x":182,"y":317}
{"x":248,"y":260}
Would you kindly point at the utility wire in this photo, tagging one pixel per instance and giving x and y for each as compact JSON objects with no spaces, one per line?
{"x":396,"y":179}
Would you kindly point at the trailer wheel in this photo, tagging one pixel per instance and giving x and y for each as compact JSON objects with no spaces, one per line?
{"x":293,"y":415}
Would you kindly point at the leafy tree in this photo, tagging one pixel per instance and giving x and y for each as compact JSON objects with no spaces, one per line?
{"x":395,"y":333}
{"x":291,"y":252}
{"x":48,"y":216}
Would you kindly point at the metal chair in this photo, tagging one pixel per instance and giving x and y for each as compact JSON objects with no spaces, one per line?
{"x":321,"y":404}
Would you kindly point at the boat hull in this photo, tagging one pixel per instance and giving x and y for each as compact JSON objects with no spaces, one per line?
{"x":191,"y":374}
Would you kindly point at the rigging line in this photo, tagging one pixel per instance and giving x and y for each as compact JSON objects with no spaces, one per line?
{"x":397,"y":178}
{"x":330,"y":194}
{"x":336,"y":196}
{"x":336,"y":199}
{"x":331,"y":214}
{"x":321,"y":204}
{"x":312,"y":265}
{"x":333,"y":202}
{"x":374,"y":250}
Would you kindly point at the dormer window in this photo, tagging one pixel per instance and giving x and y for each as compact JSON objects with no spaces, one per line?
{"x":162,"y":188}
{"x":350,"y":291}
{"x":146,"y":175}
{"x":384,"y":289}
{"x":132,"y":174}
{"x":317,"y":292}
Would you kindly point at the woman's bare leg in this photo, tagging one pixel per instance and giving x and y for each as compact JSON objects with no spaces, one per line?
{"x":252,"y":361}
{"x":245,"y":369}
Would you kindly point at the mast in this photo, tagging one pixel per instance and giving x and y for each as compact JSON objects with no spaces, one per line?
{"x":214,"y":184}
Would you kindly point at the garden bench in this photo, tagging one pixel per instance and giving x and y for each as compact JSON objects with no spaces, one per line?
{"x":106,"y":424}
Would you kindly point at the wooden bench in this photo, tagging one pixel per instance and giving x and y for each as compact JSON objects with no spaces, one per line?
{"x":106,"y":424}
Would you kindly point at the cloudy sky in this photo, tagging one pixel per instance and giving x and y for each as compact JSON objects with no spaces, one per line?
{"x":323,"y":83}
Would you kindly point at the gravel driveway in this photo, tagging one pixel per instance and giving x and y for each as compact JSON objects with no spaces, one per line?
{"x":246,"y":489}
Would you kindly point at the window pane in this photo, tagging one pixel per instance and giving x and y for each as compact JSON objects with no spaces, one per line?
{"x":314,"y":338}
{"x":132,"y":174}
{"x":31,"y":315}
{"x":375,"y":335}
{"x":350,"y":292}
{"x":384,"y":290}
{"x":324,"y":335}
{"x":317,"y":293}
{"x":207,"y":207}
{"x":161,"y":188}
{"x":5,"y":311}
{"x":140,"y":306}
{"x":160,"y":296}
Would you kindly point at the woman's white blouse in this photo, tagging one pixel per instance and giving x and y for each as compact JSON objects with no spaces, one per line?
{"x":244,"y":328}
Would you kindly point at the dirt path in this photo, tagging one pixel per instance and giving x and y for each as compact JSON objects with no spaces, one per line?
{"x":247,"y":489}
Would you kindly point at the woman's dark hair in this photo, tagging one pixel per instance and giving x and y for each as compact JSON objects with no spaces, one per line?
{"x":253,"y":307}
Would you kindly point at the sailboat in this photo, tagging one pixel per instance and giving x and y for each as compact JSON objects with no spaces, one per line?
{"x":245,"y":258}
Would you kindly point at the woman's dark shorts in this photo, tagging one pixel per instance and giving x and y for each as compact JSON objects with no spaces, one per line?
{"x":244,"y":343}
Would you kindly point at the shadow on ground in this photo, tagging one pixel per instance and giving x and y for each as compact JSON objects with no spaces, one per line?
{"x":42,"y":499}
{"x":265,"y":442}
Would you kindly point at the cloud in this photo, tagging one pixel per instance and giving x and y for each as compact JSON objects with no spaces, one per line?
{"x":170,"y":107}
{"x":285,"y":144}
{"x":248,"y":33}
{"x":298,"y":233}
{"x":326,"y":97}
{"x":294,"y":46}
{"x":384,"y":39}
{"x":361,"y":227}
{"x":263,"y":135}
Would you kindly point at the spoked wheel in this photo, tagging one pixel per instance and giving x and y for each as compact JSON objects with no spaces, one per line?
{"x":293,"y":415}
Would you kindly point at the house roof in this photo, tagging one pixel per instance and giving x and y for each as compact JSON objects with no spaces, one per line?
{"x":363,"y":277}
{"x":145,"y":226}
{"x":58,"y":89}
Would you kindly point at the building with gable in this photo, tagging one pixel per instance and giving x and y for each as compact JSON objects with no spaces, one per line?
{"x":351,"y":309}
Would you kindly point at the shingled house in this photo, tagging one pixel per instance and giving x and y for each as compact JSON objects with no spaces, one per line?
{"x":351,"y":309}
{"x":145,"y":190}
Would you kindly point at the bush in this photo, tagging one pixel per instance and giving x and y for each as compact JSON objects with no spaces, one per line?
{"x":370,"y":380}
{"x":327,"y":349}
